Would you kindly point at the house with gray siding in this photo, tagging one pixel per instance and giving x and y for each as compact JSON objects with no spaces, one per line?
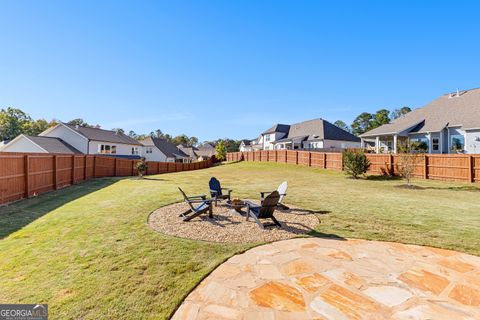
{"x":448,"y":124}
{"x":315,"y":134}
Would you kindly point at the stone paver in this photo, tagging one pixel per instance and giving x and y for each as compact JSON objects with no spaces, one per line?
{"x":312,"y":278}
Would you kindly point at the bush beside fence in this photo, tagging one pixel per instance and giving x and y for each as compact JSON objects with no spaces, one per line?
{"x":23,"y":175}
{"x":447,"y":167}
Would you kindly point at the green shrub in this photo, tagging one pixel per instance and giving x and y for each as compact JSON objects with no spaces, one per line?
{"x":355,"y":163}
{"x":221,"y":151}
{"x":141,"y":167}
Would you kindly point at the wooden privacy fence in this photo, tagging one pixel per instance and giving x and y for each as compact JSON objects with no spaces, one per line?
{"x":448,"y":167}
{"x":25,"y":174}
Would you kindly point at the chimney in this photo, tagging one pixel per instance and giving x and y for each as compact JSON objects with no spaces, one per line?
{"x":458,"y":93}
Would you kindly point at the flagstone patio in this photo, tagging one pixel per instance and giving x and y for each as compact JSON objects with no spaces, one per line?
{"x":313,"y":278}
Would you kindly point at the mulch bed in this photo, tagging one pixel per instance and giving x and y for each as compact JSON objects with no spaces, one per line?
{"x":229,"y":227}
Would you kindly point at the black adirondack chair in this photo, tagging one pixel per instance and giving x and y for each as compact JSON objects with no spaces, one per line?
{"x":265,"y":210}
{"x":217,"y":192}
{"x":198,"y":205}
{"x":282,"y":191}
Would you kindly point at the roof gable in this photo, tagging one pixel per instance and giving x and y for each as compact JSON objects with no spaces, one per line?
{"x":167,"y":148}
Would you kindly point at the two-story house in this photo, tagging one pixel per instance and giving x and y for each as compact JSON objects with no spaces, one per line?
{"x":65,"y":138}
{"x":307,"y":135}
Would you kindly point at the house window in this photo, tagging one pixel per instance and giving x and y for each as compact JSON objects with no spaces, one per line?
{"x":435,"y":144}
{"x":421,"y":144}
{"x":134,"y":150}
{"x":457,"y":143}
{"x":149,"y":150}
{"x":267,"y":138}
{"x":390,"y":145}
{"x":107,"y":149}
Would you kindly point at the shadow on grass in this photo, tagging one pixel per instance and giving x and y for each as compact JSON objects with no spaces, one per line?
{"x":317,"y":234}
{"x":17,"y":215}
{"x":457,"y":188}
{"x":383,"y":178}
{"x":152,"y":179}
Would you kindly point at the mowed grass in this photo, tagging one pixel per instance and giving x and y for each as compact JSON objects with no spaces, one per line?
{"x":88,"y":252}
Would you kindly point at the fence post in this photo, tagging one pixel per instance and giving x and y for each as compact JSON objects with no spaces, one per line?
{"x":133,"y":167}
{"x":94,"y":166}
{"x":296,"y":157}
{"x":268,"y":153}
{"x":55,"y":175}
{"x":425,"y":168}
{"x":27,"y":175}
{"x":390,"y":169}
{"x":324,"y":160}
{"x":73,"y":169}
{"x":115,"y":167}
{"x":85,"y":168}
{"x":471,"y":177}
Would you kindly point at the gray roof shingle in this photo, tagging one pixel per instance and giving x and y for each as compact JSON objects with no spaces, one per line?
{"x":319,"y":129}
{"x":166,"y":147}
{"x":98,"y":134}
{"x":447,"y":110}
{"x":278,"y":128}
{"x":53,"y":145}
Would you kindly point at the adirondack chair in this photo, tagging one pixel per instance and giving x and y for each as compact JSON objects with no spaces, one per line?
{"x":282,"y":190}
{"x":217,"y":192}
{"x":198,"y":205}
{"x":265,"y":210}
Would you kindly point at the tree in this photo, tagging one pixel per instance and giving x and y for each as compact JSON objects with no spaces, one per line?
{"x":362,"y":123}
{"x":192,"y":141}
{"x":79,"y":122}
{"x":120,"y":130}
{"x":34,"y":128}
{"x":380,"y":118}
{"x":13,"y":122}
{"x":342,"y":125}
{"x":181,"y":139}
{"x":355,"y":163}
{"x":408,"y":159}
{"x":221,"y":151}
{"x":397,"y":113}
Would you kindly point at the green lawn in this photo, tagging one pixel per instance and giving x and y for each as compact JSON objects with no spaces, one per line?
{"x":88,"y":252}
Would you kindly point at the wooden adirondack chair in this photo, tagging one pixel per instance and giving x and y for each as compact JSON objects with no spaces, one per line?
{"x":216,"y":191}
{"x":198,"y":205}
{"x":265,"y":210}
{"x":282,"y":190}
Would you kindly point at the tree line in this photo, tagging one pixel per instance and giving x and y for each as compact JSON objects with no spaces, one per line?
{"x":367,"y":121}
{"x":14,"y":122}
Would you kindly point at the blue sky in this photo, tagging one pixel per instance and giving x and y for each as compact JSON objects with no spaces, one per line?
{"x":218,"y":69}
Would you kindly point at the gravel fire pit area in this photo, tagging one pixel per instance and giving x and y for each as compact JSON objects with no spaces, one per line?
{"x":229,"y":227}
